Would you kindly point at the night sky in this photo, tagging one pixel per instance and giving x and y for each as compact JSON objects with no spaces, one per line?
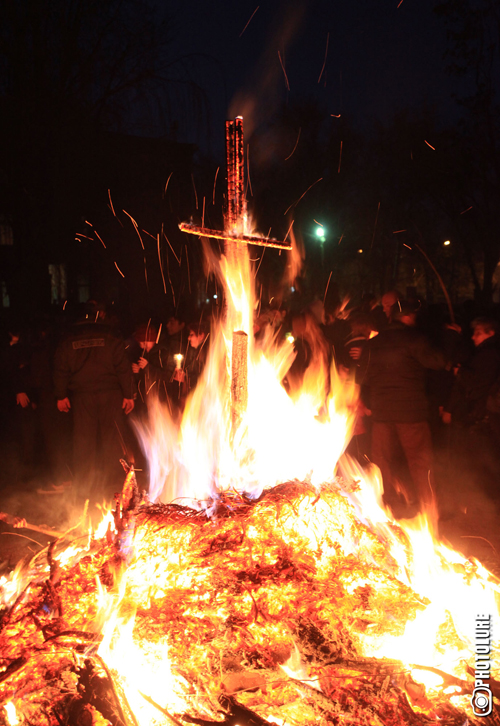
{"x":380,"y":58}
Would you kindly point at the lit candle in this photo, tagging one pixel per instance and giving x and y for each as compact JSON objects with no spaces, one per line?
{"x":178,"y":360}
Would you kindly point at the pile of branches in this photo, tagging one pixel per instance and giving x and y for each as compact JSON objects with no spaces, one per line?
{"x":263,"y":607}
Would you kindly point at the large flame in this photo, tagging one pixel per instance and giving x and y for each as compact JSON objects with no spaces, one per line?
{"x":407,"y":597}
{"x":279,"y":438}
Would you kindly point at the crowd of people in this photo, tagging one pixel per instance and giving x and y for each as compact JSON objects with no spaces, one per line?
{"x":425,"y":382}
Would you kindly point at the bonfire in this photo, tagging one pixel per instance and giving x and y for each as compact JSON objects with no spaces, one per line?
{"x":260,"y":580}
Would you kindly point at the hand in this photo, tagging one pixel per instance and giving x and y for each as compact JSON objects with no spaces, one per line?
{"x":64,"y":405}
{"x":446,"y":417}
{"x":355,"y":353}
{"x":128,"y":405}
{"x":22,"y":399}
{"x":135,"y":368}
{"x":179,"y":375}
{"x":453,"y":326}
{"x":142,"y":362}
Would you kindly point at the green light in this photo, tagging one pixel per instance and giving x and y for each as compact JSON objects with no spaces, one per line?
{"x":320,"y":232}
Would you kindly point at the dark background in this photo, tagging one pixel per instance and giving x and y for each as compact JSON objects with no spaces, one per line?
{"x":394,"y":110}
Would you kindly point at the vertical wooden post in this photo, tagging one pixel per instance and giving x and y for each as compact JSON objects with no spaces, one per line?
{"x":236,"y":254}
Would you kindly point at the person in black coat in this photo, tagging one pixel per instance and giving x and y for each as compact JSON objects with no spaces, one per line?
{"x":398,"y":358}
{"x":474,"y":424}
{"x":93,"y":377}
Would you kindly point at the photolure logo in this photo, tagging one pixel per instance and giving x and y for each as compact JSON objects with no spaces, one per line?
{"x":482,"y":699}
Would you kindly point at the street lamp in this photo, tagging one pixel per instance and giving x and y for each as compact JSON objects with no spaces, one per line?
{"x":320,"y":234}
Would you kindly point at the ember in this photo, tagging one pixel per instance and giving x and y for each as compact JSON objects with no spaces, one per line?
{"x":283,"y":594}
{"x":272,"y":607}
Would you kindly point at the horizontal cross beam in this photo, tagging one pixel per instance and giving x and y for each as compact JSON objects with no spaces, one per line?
{"x":246,"y":239}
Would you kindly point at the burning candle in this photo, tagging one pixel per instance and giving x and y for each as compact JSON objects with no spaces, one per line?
{"x":178,"y":360}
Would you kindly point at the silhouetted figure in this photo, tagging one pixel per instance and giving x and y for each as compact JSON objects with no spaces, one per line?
{"x":93,"y":376}
{"x":396,"y":380}
{"x":467,"y":409}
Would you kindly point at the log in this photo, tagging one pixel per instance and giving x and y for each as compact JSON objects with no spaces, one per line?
{"x":239,"y":378}
{"x":21,"y":523}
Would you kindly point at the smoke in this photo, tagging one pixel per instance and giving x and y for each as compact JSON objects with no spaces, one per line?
{"x":258,"y":101}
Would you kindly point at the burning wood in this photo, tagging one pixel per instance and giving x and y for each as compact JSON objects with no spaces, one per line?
{"x":259,"y":615}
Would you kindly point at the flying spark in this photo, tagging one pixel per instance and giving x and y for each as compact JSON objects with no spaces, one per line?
{"x":284,"y":72}
{"x":326,"y":53}
{"x":248,"y":23}
{"x":303,"y":195}
{"x":121,"y":273}
{"x":296,"y":143}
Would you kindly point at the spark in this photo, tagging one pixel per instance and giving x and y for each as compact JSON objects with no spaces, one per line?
{"x":159,"y":333}
{"x":260,"y":263}
{"x":398,"y":231}
{"x":161,"y":266}
{"x":336,"y":115}
{"x":215,"y":182}
{"x":318,"y":223}
{"x":340,"y":157}
{"x":169,"y":278}
{"x":111,"y":203}
{"x":284,"y":72}
{"x":405,"y":245}
{"x":166,"y":185}
{"x":195,"y":192}
{"x":248,"y":170}
{"x":430,"y":145}
{"x":400,"y":3}
{"x":173,"y":251}
{"x":326,"y":53}
{"x":121,"y":273}
{"x":466,"y":210}
{"x":79,"y":234}
{"x":341,"y":237}
{"x":100,"y":238}
{"x":289,"y":230}
{"x":375,"y":226}
{"x":146,"y":273}
{"x":303,"y":195}
{"x":327,"y":285}
{"x":148,"y":234}
{"x":296,"y":144}
{"x":89,"y":223}
{"x":64,"y":306}
{"x":248,"y":23}
{"x":136,"y":227}
{"x":189,"y":277}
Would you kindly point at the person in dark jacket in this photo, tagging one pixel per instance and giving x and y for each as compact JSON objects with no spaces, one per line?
{"x":93,"y":377}
{"x":396,"y":382}
{"x":473,"y":423}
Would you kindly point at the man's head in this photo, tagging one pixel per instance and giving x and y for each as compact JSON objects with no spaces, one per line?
{"x":197,"y":334}
{"x":482,"y":329}
{"x":174,"y":324}
{"x":146,"y":335}
{"x":388,"y":300}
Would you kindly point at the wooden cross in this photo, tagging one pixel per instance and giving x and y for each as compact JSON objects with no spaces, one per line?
{"x":236,"y":204}
{"x":235,"y":242}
